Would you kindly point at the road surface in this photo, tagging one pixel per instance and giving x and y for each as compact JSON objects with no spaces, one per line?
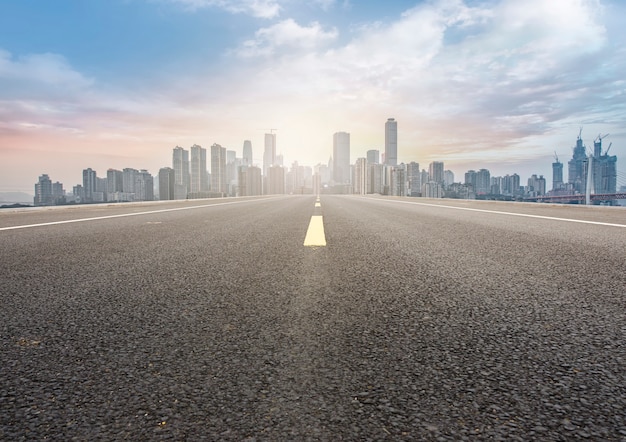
{"x":211,"y":320}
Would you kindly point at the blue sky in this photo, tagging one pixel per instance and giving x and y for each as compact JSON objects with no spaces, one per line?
{"x":498,"y":84}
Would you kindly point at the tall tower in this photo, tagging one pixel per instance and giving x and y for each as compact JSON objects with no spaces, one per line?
{"x":577,"y":167}
{"x":89,"y":184}
{"x":391,"y":142}
{"x":435,"y":172}
{"x":373,"y":156}
{"x":198,"y":172}
{"x":218,"y":169}
{"x":167,"y":177}
{"x":269,"y":154}
{"x":341,"y":157}
{"x":557,"y":174}
{"x":247,"y":153}
{"x":180,"y":164}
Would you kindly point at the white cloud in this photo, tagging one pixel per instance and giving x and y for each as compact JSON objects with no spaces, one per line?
{"x":256,"y":8}
{"x":286,"y":35}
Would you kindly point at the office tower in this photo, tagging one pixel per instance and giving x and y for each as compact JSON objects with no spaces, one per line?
{"x":269,"y":154}
{"x":536,"y":185}
{"x":397,"y":180}
{"x":247,"y":153}
{"x":483,"y":182}
{"x":511,"y":184}
{"x":144,"y":186}
{"x":218,"y":169}
{"x":89,"y":184}
{"x":435,"y":172}
{"x":557,"y":175}
{"x":43,"y":191}
{"x":413,"y":179}
{"x":341,"y":158}
{"x":373,"y":156}
{"x":471,"y":179}
{"x":115,"y":182}
{"x":577,"y":167}
{"x":391,"y":142}
{"x":448,"y":177}
{"x":180,"y":164}
{"x":276,"y":180}
{"x":360,"y":184}
{"x":432,"y":189}
{"x":58,"y":194}
{"x":604,"y":169}
{"x":199,"y":180}
{"x":376,"y":179}
{"x":250,"y":181}
{"x":167,"y":180}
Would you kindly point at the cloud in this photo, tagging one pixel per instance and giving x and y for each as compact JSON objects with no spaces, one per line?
{"x":256,"y":8}
{"x":286,"y":35}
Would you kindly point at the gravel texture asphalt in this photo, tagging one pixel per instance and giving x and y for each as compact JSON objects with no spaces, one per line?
{"x":413,"y":323}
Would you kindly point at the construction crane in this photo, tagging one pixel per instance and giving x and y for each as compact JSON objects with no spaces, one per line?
{"x":601,"y":137}
{"x":580,"y":132}
{"x":608,"y":148}
{"x":556,"y":157}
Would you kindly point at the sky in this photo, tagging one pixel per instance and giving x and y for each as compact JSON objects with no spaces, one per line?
{"x":495,"y":84}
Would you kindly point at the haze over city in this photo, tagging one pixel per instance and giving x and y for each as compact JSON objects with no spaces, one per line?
{"x":495,"y":84}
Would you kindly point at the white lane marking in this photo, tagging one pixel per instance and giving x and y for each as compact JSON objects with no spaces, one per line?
{"x":317,"y":204}
{"x":598,"y":223}
{"x":315,"y":233}
{"x":121,"y":215}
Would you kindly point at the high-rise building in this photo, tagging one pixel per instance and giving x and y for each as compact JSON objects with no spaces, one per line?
{"x":198,"y":172}
{"x":391,"y":142}
{"x":115,"y":181}
{"x":128,"y":180}
{"x":218,"y":169}
{"x":577,"y":167}
{"x":180,"y":164}
{"x":557,"y":175}
{"x":43,"y":192}
{"x":361,"y":181}
{"x":144,"y":186}
{"x":269,"y":154}
{"x":247,"y":153}
{"x":413,"y":179}
{"x":276,"y":180}
{"x":341,"y":158}
{"x":604,"y":169}
{"x":448,"y":178}
{"x":250,"y":181}
{"x":536,"y":185}
{"x":373,"y":156}
{"x":435,"y":172}
{"x":89,"y":185}
{"x":167,"y":179}
{"x":483,"y":182}
{"x":397,"y":180}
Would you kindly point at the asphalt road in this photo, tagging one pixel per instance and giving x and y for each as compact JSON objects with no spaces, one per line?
{"x":419,"y":320}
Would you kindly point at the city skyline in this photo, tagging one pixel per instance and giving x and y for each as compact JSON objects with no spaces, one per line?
{"x":497,"y":85}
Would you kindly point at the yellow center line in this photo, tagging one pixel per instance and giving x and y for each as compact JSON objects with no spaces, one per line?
{"x":315,"y":233}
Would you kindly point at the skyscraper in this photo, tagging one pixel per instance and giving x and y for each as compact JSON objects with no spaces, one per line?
{"x":269,"y":154}
{"x":167,"y":178}
{"x":577,"y":167}
{"x":218,"y":169}
{"x":557,"y":175}
{"x":360,"y":185}
{"x":198,"y":172}
{"x":89,"y":184}
{"x":341,"y":158}
{"x":435,"y":172}
{"x":391,"y":142}
{"x":413,"y":178}
{"x":43,"y":191}
{"x":180,"y":164}
{"x":373,"y":156}
{"x":247,"y":153}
